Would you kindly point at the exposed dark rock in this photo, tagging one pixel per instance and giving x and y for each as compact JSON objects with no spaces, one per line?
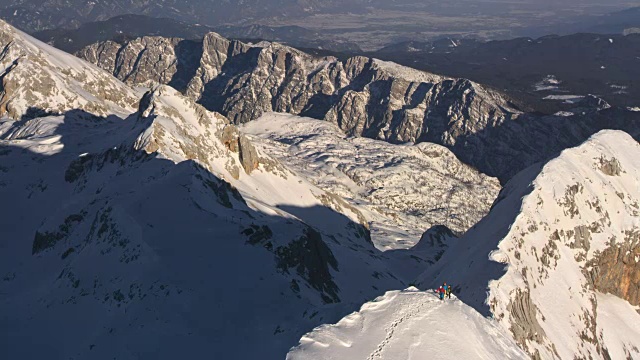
{"x":258,"y":234}
{"x":617,"y":269}
{"x":48,"y":239}
{"x":610,"y":167}
{"x":524,"y":327}
{"x":312,"y":260}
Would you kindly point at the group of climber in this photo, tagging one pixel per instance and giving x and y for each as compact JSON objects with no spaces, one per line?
{"x":444,"y":290}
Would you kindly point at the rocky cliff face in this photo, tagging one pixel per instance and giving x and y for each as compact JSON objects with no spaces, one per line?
{"x":363,"y":96}
{"x":616,"y":269}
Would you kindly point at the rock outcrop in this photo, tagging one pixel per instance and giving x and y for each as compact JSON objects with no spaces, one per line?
{"x":616,"y":269}
{"x":238,"y":143}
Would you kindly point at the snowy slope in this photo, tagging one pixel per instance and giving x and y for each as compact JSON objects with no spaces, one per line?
{"x":409,"y":324}
{"x":559,"y":236}
{"x":126,"y":232}
{"x":402,"y":189}
{"x":39,"y":79}
{"x":161,"y":232}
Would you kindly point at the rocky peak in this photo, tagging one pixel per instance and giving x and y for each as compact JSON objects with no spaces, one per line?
{"x":147,"y":104}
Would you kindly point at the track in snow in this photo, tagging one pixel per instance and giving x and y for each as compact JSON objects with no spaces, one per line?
{"x":405,"y":317}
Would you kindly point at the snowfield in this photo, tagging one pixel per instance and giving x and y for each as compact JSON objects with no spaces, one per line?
{"x":402,"y":190}
{"x":410,"y":325}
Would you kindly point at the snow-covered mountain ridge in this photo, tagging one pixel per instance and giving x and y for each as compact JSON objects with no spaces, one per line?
{"x":151,"y":226}
{"x":409,"y":324}
{"x":40,"y":80}
{"x":160,"y":231}
{"x":558,"y":237}
{"x":554,"y":266}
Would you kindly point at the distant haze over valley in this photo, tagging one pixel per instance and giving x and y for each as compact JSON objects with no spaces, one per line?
{"x":370,"y":24}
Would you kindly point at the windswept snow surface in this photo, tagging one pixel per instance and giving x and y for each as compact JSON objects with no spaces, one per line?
{"x":618,"y":322}
{"x":409,"y":325}
{"x":402,"y":190}
{"x":568,"y":99}
{"x":407,"y":73}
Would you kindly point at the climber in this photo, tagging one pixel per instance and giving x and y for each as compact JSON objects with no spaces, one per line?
{"x":441,"y":292}
{"x":448,"y":291}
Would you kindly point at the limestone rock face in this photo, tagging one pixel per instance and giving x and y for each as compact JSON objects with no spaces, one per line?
{"x":616,"y":270}
{"x":238,"y":143}
{"x":363,"y":96}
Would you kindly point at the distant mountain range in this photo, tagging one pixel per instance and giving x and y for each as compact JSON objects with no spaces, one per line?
{"x":620,"y":22}
{"x":530,"y":70}
{"x":47,"y":14}
{"x":369,"y":23}
{"x":126,"y":27}
{"x":368,"y":97}
{"x":579,"y":64}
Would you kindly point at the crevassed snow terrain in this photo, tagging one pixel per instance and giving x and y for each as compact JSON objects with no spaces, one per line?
{"x":402,"y":189}
{"x":559,"y":236}
{"x":409,"y":324}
